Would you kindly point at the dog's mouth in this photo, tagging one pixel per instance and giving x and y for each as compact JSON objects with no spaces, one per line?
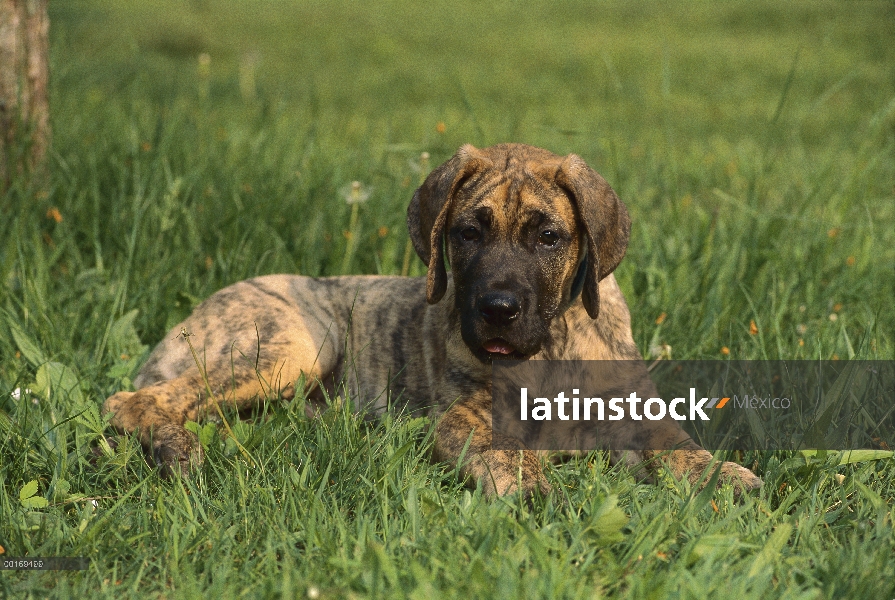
{"x":499,"y":348}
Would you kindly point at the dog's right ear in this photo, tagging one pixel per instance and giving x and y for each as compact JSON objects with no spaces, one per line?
{"x":428,"y":211}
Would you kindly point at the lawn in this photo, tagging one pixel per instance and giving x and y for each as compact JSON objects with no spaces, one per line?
{"x":200,"y":142}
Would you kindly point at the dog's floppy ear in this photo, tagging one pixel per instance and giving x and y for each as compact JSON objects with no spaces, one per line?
{"x":428,"y":211}
{"x":607,"y":225}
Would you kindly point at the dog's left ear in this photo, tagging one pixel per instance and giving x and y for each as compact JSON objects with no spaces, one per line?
{"x":428,"y":211}
{"x":606,"y":222}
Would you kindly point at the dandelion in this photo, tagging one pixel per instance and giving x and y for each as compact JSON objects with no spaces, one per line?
{"x":837,"y":307}
{"x":661,"y":318}
{"x":440,"y":128}
{"x":313,"y":592}
{"x":204,"y":65}
{"x":420,"y":167}
{"x":383,"y":231}
{"x":801,"y":343}
{"x":248,"y":67}
{"x":54,"y":214}
{"x":725,"y":350}
{"x":204,"y":72}
{"x":354,"y":194}
{"x":850,"y":261}
{"x":833,"y":232}
{"x":753,"y":328}
{"x":834,"y":317}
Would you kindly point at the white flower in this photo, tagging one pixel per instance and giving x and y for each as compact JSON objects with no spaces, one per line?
{"x":354,"y":193}
{"x":16,"y":394}
{"x":421,"y":165}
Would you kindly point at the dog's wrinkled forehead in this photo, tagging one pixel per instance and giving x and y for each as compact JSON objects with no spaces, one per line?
{"x":515,"y":193}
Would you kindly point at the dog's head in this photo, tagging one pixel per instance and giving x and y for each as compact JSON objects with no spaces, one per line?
{"x":526,"y":232}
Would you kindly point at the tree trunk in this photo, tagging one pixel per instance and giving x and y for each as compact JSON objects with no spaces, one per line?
{"x":24,"y":73}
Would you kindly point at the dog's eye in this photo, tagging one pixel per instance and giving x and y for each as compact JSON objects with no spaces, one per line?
{"x":470,"y":234}
{"x":548,"y":238}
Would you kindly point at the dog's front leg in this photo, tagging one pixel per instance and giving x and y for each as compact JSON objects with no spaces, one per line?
{"x":464,"y":434}
{"x":157,"y":413}
{"x":683,"y":457}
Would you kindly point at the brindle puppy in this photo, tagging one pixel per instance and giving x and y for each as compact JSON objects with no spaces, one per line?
{"x":532,"y":239}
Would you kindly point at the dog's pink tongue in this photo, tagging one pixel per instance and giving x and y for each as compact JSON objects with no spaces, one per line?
{"x":498,"y":346}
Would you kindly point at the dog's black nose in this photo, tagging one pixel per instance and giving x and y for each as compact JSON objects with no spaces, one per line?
{"x":499,"y":308}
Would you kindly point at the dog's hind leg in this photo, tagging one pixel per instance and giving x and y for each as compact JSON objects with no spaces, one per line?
{"x":158,"y":411}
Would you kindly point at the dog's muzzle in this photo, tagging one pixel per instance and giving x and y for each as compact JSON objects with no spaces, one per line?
{"x":499,"y":324}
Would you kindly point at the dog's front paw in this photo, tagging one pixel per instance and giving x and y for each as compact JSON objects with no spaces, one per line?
{"x":506,"y":472}
{"x":176,"y":450}
{"x":697,"y":466}
{"x":742,"y":479}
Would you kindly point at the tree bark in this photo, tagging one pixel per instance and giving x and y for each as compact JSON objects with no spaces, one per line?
{"x":24,"y":74}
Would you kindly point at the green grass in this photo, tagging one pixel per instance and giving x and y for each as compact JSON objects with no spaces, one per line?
{"x":753,"y":144}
